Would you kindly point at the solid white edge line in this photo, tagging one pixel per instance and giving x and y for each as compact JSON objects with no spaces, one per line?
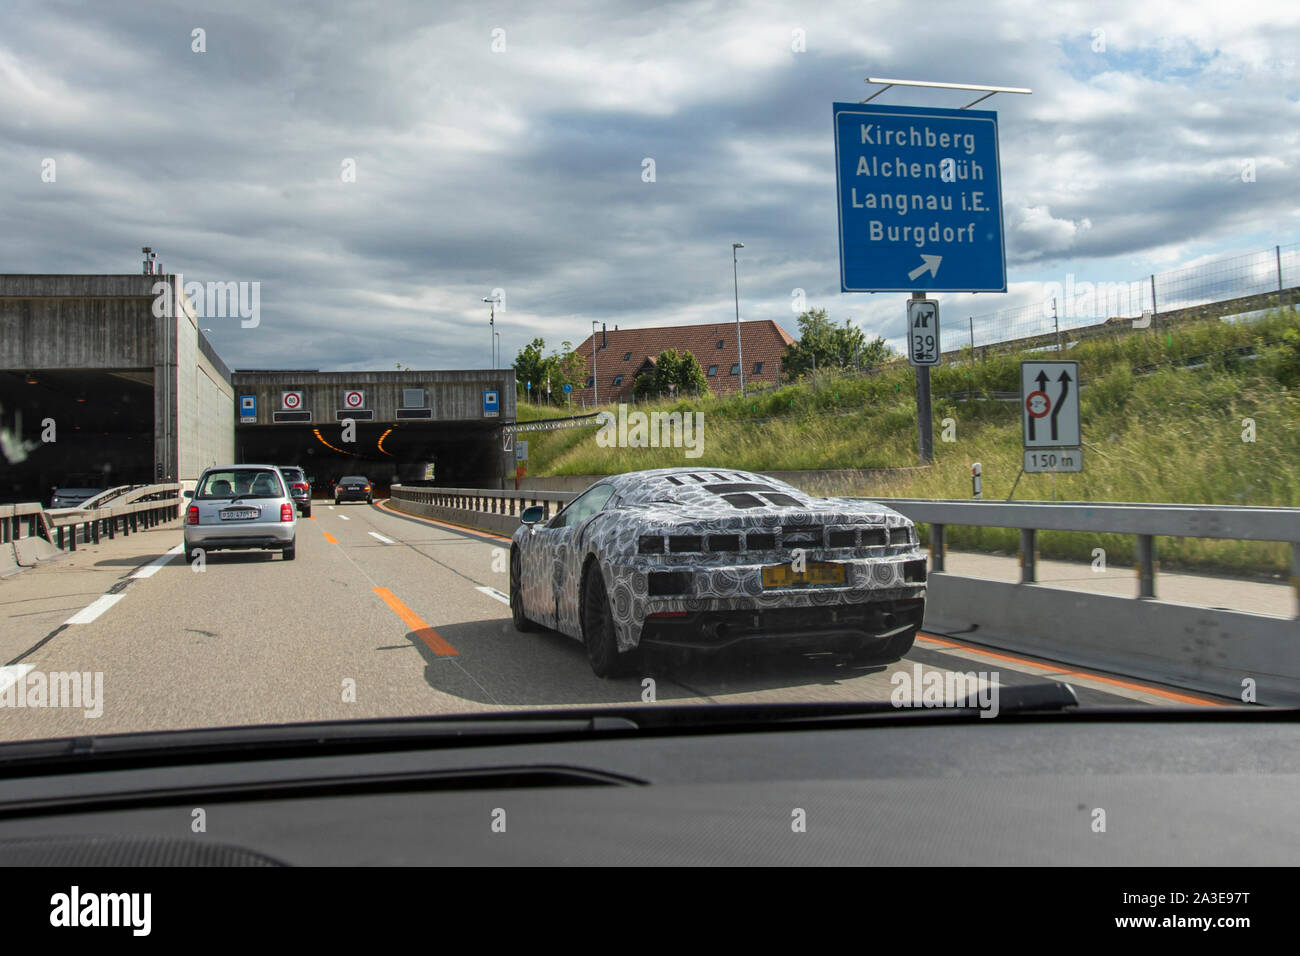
{"x":376,"y":534}
{"x":12,"y":674}
{"x":494,"y":593}
{"x":344,"y":518}
{"x":156,"y":565}
{"x":94,"y":609}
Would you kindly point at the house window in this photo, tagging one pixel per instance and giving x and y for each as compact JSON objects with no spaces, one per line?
{"x":590,"y":380}
{"x":627,"y":356}
{"x":758,"y":368}
{"x":713,"y":370}
{"x":735,"y":369}
{"x":720,"y":343}
{"x":618,"y":380}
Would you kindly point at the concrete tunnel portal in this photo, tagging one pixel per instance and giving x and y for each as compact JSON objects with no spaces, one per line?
{"x":112,"y":376}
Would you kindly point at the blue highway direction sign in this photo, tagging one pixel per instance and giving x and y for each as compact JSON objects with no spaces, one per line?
{"x":920,"y":199}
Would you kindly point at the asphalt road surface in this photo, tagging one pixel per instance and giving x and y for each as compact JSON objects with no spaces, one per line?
{"x":381,"y":615}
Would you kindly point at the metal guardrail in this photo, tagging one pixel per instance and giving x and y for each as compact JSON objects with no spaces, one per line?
{"x":483,"y":501}
{"x":133,"y":508}
{"x":1145,"y":521}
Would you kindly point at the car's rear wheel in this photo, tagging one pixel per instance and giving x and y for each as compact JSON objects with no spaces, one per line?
{"x":289,"y":552}
{"x":306,"y":512}
{"x":522,"y":623}
{"x":598,"y":629}
{"x":875,"y":651}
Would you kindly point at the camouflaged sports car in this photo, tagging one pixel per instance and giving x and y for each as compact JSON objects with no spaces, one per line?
{"x":703,"y":559}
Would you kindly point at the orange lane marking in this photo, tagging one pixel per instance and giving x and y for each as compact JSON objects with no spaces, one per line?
{"x":330,"y":538}
{"x":311,"y":517}
{"x":445,"y":524}
{"x":1059,"y":669}
{"x":412,"y":620}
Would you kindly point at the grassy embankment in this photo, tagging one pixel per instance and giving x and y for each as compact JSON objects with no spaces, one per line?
{"x":1172,"y":435}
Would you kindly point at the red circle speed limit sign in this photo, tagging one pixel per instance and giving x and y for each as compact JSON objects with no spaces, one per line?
{"x":291,"y":400}
{"x":354,"y":398}
{"x":1038,"y":404}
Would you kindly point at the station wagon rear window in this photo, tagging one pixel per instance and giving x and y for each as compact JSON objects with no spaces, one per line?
{"x":240,"y":483}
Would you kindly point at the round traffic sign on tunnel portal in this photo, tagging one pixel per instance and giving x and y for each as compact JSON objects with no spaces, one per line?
{"x":354,"y":398}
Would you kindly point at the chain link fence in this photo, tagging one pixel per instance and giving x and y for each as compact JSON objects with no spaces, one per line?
{"x":1076,"y":304}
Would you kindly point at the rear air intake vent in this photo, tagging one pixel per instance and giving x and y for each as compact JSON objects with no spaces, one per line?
{"x":841,"y":539}
{"x":914,"y":571}
{"x":784,"y":501}
{"x":873,"y":537}
{"x":685,"y":542}
{"x":724,"y":542}
{"x":650,"y":544}
{"x":742,"y":501}
{"x":669,"y":582}
{"x":760,"y":541}
{"x":675,"y":481}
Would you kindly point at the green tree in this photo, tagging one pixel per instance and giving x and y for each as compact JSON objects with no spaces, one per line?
{"x":833,"y":346}
{"x":672,"y":368}
{"x":561,"y":367}
{"x":529,"y":364}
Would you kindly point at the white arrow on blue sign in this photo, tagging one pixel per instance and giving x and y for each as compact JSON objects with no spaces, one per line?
{"x":920,"y":199}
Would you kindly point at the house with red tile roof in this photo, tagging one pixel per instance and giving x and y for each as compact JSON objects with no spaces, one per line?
{"x":623,"y":354}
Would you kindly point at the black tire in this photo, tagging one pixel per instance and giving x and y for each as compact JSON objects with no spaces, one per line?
{"x":289,"y":552}
{"x":598,"y":629}
{"x":522,"y":623}
{"x":873,"y":652}
{"x":306,"y":512}
{"x":336,"y":502}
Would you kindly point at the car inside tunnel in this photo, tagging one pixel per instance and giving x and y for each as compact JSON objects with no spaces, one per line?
{"x":57,"y":424}
{"x":446,"y":454}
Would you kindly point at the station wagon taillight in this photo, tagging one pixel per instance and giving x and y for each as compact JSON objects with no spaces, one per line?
{"x":192,"y":515}
{"x":286,"y":512}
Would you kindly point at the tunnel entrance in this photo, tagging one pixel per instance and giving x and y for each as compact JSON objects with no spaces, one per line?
{"x":101,"y":423}
{"x":464,"y":455}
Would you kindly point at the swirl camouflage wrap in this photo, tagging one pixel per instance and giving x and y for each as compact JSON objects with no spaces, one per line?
{"x":699,"y":557}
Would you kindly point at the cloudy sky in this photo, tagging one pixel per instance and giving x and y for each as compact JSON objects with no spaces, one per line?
{"x":502,"y":146}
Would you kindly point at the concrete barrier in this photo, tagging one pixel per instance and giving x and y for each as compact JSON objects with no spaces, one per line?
{"x":8,"y":560}
{"x":29,"y":552}
{"x":1205,"y":649}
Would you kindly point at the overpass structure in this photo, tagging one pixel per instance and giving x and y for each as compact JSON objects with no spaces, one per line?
{"x":112,"y":376}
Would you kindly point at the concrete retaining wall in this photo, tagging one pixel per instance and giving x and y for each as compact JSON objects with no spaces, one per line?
{"x":1197,"y":648}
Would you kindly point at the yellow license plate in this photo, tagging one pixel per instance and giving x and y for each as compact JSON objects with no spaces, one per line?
{"x":814,"y":572}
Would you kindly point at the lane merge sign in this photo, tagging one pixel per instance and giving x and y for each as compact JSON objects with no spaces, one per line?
{"x":920,"y":199}
{"x":923,"y":332}
{"x":1049,"y":405}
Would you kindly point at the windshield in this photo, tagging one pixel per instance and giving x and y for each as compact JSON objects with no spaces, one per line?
{"x":1003,"y":387}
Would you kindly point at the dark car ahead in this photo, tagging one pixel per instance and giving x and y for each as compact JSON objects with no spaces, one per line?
{"x":353,"y":488}
{"x":299,"y":488}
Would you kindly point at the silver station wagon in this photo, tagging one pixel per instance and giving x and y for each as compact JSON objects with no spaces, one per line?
{"x":241,"y":507}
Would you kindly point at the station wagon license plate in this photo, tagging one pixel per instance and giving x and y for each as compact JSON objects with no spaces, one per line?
{"x":814,"y":572}
{"x":239,"y":514}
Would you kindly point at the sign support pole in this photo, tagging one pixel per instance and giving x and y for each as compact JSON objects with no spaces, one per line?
{"x":924,"y":415}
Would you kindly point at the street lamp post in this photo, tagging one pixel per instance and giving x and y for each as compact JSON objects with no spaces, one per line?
{"x":492,"y":322}
{"x":496,"y":353}
{"x":740,"y":355}
{"x":595,"y":382}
